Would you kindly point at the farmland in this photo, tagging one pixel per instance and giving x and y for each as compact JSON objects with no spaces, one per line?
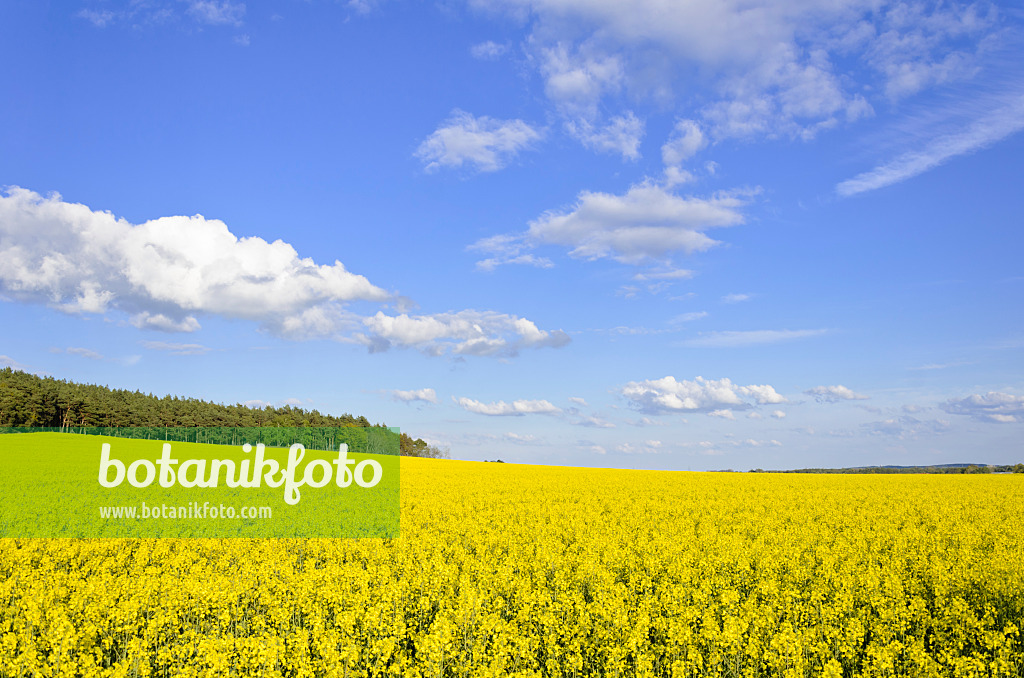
{"x":545,"y":571}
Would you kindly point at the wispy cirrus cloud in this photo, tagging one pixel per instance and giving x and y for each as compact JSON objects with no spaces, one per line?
{"x":175,"y":348}
{"x":425,"y":395}
{"x":832,"y":394}
{"x":733,"y":339}
{"x":1006,"y":120}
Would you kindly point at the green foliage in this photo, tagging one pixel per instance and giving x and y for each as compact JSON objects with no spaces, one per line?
{"x":420,"y":448}
{"x":27,"y":400}
{"x":944,"y":469}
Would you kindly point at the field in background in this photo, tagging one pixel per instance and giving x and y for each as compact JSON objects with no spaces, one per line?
{"x":536,"y":571}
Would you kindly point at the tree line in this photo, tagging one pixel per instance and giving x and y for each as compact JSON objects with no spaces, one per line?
{"x":946,"y":468}
{"x":44,"y":402}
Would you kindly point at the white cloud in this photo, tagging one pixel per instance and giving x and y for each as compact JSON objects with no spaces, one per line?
{"x":492,"y":263}
{"x":700,"y":395}
{"x":461,"y":333}
{"x":426,"y":395}
{"x":501,"y":408}
{"x":724,"y":414}
{"x":667,"y":274}
{"x":730,"y":339}
{"x":646,"y":223}
{"x":163,"y":272}
{"x":688,"y":317}
{"x":521,"y":438}
{"x":578,"y":401}
{"x":735,"y":298}
{"x":98,"y":18}
{"x":593,"y":422}
{"x":481,"y":142}
{"x":488,"y":51}
{"x":257,"y":403}
{"x":776,"y":67}
{"x":84,"y":353}
{"x":764,"y":394}
{"x":216,"y":12}
{"x":8,"y":361}
{"x":159,"y":321}
{"x":576,"y":80}
{"x":622,"y":135}
{"x":994,"y":126}
{"x":647,"y":447}
{"x":686,"y":141}
{"x":907,"y":428}
{"x":778,"y":414}
{"x":996,"y":407}
{"x":831,"y":394}
{"x":911,"y":44}
{"x":177,"y":349}
{"x":507,"y":249}
{"x":166,"y":272}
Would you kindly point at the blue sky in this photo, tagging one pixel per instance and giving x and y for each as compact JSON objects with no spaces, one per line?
{"x":680,"y":235}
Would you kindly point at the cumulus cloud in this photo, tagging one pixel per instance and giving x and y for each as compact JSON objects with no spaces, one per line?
{"x":461,"y":333}
{"x":622,"y":134}
{"x":686,"y":140}
{"x":577,"y":79}
{"x":994,"y":407}
{"x":832,"y":394}
{"x":646,"y":223}
{"x":163,"y":271}
{"x":501,"y":408}
{"x":716,"y":397}
{"x":483,"y":143}
{"x":426,"y":395}
{"x":167,"y":272}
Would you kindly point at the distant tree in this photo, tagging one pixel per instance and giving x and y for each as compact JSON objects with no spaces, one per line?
{"x":407,"y":447}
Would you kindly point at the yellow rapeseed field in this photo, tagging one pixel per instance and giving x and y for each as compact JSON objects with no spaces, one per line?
{"x":536,"y":571}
